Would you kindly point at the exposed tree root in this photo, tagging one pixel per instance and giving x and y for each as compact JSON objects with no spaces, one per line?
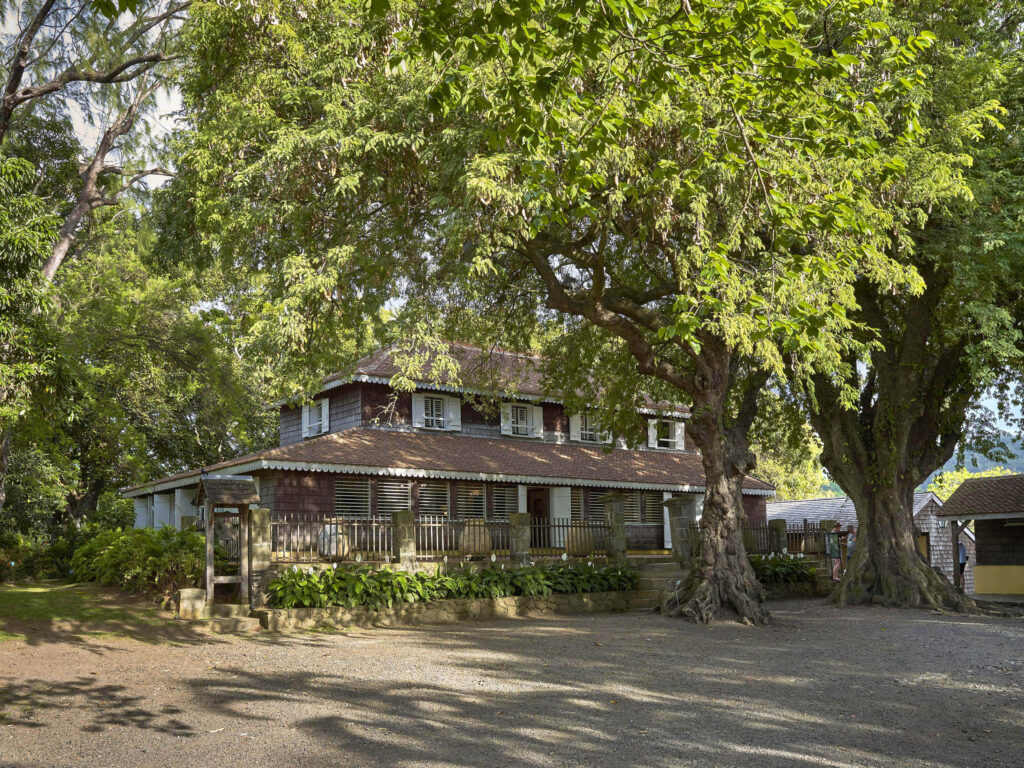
{"x":905,"y":581}
{"x":717,"y":596}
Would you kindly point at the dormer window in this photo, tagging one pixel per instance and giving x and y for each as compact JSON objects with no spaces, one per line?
{"x":433,"y":412}
{"x":665,"y":433}
{"x":588,"y":428}
{"x":520,"y":420}
{"x":585,"y":428}
{"x":316,"y":417}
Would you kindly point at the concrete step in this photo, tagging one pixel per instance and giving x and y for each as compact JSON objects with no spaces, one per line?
{"x":228,"y":624}
{"x":659,"y":567}
{"x":227,"y":611}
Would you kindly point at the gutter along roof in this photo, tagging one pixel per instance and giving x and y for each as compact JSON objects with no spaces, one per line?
{"x":454,"y":457}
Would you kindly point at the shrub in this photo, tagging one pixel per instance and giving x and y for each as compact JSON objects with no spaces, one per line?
{"x":365,"y":587}
{"x":781,"y":568}
{"x":143,"y":559}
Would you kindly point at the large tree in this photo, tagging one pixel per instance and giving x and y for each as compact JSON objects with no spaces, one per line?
{"x":691,"y":189}
{"x":934,"y":354}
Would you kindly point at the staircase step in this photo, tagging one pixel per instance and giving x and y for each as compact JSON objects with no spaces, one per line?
{"x":660,"y":568}
{"x":228,"y":624}
{"x":227,"y":611}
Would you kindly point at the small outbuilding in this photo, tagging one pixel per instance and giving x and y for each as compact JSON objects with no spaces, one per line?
{"x":996,"y":506}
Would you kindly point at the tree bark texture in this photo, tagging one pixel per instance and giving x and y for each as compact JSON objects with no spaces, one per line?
{"x":910,"y":415}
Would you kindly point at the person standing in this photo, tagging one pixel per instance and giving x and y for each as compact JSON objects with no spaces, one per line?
{"x":851,"y":542}
{"x":962,"y":551}
{"x":832,"y":546}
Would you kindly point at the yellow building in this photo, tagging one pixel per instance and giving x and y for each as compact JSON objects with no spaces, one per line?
{"x":996,"y":505}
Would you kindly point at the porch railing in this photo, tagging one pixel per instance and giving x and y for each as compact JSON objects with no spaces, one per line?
{"x":334,"y":539}
{"x":577,"y":538}
{"x":438,"y":536}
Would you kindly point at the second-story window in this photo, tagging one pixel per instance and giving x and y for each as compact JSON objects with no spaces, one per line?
{"x":433,"y":412}
{"x":315,"y":417}
{"x":665,"y":433}
{"x":588,"y":429}
{"x":520,"y":420}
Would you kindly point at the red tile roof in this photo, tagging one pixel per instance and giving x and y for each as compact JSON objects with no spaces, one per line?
{"x":415,"y":452}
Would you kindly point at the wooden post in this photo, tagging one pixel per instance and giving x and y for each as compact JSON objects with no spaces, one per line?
{"x":209,"y":554}
{"x":244,"y":554}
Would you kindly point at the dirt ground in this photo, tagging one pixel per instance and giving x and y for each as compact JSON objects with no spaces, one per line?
{"x":819,"y":687}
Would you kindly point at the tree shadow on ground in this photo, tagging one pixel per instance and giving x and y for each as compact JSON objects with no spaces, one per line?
{"x":107,"y":705}
{"x":844,"y":688}
{"x":644,"y":690}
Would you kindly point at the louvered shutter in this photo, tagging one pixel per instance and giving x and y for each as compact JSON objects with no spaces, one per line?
{"x":506,"y":501}
{"x":453,"y":414}
{"x":679,"y":433}
{"x":574,"y":427}
{"x":325,"y":415}
{"x":392,"y":496}
{"x":652,"y":433}
{"x":434,"y":498}
{"x":506,"y":418}
{"x":305,"y":419}
{"x":352,"y":496}
{"x":471,"y":501}
{"x":536,"y":421}
{"x":417,"y":410}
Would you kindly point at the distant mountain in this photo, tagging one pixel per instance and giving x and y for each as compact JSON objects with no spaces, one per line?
{"x":975,"y":462}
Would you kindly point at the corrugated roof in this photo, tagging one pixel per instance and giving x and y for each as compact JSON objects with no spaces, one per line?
{"x":835,"y":508}
{"x":378,"y":449}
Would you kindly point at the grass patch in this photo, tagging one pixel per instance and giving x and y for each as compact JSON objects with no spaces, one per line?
{"x":89,"y":609}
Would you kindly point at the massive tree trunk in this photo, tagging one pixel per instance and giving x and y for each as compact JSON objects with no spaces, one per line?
{"x":887,"y":567}
{"x":909,"y":417}
{"x":721,"y":579}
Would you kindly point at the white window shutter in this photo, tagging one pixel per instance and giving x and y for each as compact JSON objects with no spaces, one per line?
{"x":574,"y":427}
{"x":305,"y":419}
{"x":537,"y":420}
{"x":679,"y":435}
{"x":417,"y":410}
{"x":325,"y":415}
{"x":453,"y":414}
{"x":652,"y":433}
{"x":506,"y":418}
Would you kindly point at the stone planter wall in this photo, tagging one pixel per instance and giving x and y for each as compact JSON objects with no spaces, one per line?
{"x":444,"y":611}
{"x":797,"y":589}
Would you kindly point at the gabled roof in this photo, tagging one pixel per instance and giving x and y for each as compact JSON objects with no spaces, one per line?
{"x":987,"y":497}
{"x":835,"y":508}
{"x":482,"y":371}
{"x":427,"y":455}
{"x":227,"y":491}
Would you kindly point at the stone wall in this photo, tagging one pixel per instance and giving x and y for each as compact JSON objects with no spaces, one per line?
{"x":445,"y":611}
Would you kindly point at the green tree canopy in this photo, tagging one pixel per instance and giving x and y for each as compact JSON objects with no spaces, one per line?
{"x":687,"y":194}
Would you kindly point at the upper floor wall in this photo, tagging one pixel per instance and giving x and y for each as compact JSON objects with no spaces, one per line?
{"x":364,"y":404}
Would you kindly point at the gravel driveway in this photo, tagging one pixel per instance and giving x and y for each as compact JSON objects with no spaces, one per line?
{"x":819,"y":687}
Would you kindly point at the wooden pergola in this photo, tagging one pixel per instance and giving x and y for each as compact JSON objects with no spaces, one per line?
{"x":228,"y":496}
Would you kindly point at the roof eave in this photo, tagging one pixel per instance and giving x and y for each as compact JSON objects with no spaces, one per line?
{"x":429,"y":474}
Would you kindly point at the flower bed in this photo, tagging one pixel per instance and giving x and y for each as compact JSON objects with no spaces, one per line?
{"x":365,"y":587}
{"x":782,"y":568}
